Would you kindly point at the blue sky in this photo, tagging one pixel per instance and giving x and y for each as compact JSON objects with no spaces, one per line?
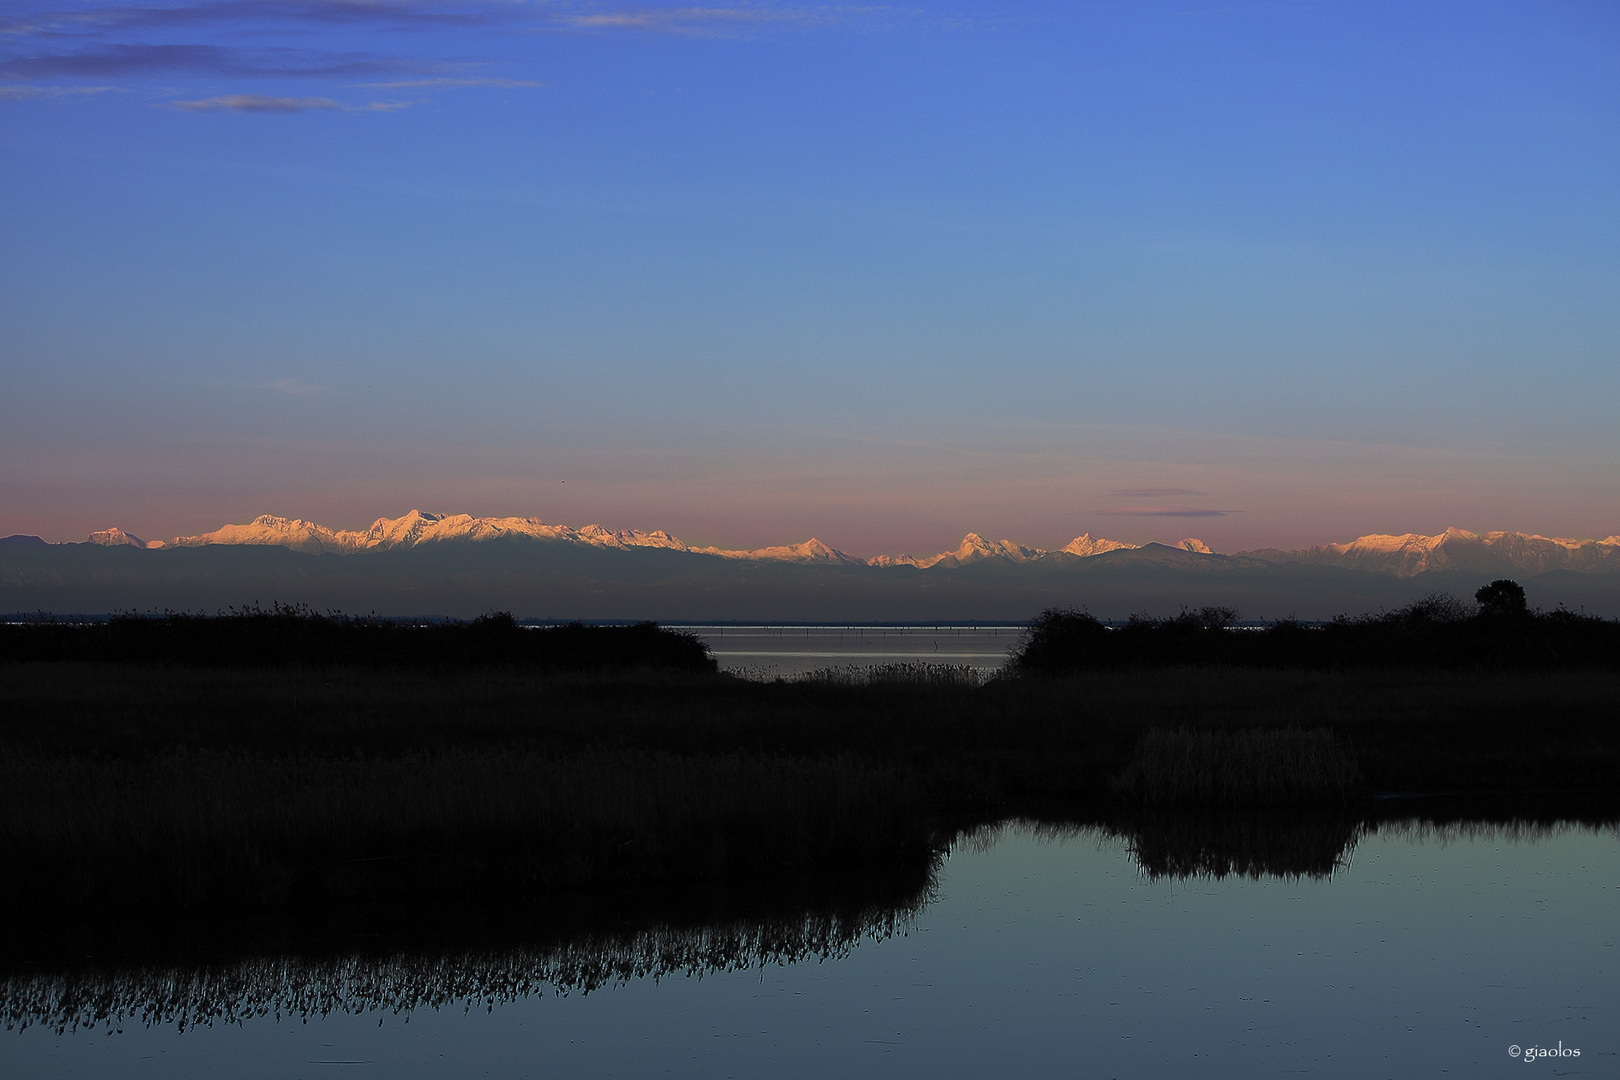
{"x":1265,"y":273}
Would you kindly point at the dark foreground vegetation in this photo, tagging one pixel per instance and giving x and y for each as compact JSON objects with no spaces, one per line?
{"x":290,"y":636}
{"x":1438,"y":632}
{"x":171,"y":779}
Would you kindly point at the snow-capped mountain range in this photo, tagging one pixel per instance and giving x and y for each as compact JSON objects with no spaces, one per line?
{"x":1458,"y":550}
{"x":1402,"y":556}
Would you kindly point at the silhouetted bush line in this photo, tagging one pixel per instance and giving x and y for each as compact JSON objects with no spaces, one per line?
{"x":1437,"y":632}
{"x":286,"y":636}
{"x":145,"y":764}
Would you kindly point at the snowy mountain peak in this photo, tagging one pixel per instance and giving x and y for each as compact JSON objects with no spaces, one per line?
{"x":811,"y":551}
{"x":1491,"y":554}
{"x":410,"y":529}
{"x":1457,"y":550}
{"x":1085,"y":546}
{"x":115,"y":537}
{"x":973,"y":548}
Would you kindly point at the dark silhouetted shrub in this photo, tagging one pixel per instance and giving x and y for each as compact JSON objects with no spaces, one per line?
{"x":1502,"y":598}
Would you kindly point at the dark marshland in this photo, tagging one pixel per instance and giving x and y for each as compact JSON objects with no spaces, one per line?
{"x":279,"y":815}
{"x":281,"y":759}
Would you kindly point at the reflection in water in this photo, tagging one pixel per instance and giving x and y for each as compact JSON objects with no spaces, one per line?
{"x":1253,"y":845}
{"x":381,"y":979}
{"x":399,"y":981}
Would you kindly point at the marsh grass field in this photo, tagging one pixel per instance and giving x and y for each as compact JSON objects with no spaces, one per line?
{"x":190,"y":844}
{"x":281,"y":760}
{"x":129,"y":787}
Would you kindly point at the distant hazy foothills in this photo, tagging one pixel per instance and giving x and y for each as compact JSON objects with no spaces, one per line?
{"x":457,"y":565}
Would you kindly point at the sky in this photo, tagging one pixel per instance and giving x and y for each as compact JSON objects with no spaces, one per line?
{"x":1268,"y":274}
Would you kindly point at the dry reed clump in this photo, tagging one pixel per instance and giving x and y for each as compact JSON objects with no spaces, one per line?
{"x":1253,"y":767}
{"x":914,"y":674}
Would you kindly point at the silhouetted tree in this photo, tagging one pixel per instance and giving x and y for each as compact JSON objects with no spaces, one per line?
{"x":1502,"y":598}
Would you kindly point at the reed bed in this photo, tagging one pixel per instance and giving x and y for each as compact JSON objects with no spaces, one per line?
{"x":218,"y":788}
{"x":1246,"y":768}
{"x":906,"y":675}
{"x":204,"y":830}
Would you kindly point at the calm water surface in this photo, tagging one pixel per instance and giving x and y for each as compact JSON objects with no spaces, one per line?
{"x":1422,"y":954}
{"x":771,"y":651}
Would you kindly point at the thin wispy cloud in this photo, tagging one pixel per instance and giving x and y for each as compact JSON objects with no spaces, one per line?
{"x":407,"y":42}
{"x":1167,"y":512}
{"x":133,"y":60}
{"x":716,"y":19}
{"x":25,"y":91}
{"x":141,"y":17}
{"x":498,"y":84}
{"x":265,"y":103}
{"x":1156,"y":493}
{"x":255,"y":103}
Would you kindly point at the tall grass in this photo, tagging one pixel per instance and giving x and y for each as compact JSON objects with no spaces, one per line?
{"x":906,"y":675}
{"x":1264,"y":767}
{"x":218,"y":788}
{"x":200,"y":830}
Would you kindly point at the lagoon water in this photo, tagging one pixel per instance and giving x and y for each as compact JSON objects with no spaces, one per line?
{"x":766,"y":651}
{"x":1423,"y":953}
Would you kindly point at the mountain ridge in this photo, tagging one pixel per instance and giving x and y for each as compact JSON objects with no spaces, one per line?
{"x":1401,"y":555}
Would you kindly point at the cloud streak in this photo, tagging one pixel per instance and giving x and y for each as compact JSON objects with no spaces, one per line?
{"x":234,"y":13}
{"x":265,"y":103}
{"x":498,"y":84}
{"x":255,"y":103}
{"x":1167,"y":512}
{"x":327,"y":45}
{"x":718,"y":20}
{"x":26,"y":91}
{"x":140,"y":59}
{"x":1155,"y":493}
{"x":264,"y":37}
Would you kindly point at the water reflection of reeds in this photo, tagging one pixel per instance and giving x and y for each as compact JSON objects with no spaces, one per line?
{"x":1252,"y":845}
{"x":400,"y":980}
{"x":1181,"y":844}
{"x":415,"y":959}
